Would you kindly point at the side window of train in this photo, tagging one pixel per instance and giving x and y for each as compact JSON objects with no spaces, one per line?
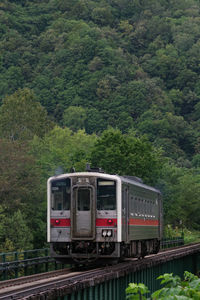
{"x":132,"y":204}
{"x":123,"y":201}
{"x":150,"y":208}
{"x":142,"y":207}
{"x":135,"y":206}
{"x":153,"y":208}
{"x":61,"y":194}
{"x":139,"y":207}
{"x":147,"y":208}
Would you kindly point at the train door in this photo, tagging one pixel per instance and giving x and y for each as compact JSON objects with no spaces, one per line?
{"x":83,"y":212}
{"x":125,"y":213}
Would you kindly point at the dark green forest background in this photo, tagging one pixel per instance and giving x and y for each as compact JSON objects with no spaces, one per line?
{"x":112,"y":82}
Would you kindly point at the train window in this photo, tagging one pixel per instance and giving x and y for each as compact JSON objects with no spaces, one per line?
{"x":136,"y":206}
{"x":147,"y":208}
{"x":139,"y":207}
{"x":151,"y":208}
{"x":106,"y":194}
{"x":60,"y":194}
{"x":83,"y":199}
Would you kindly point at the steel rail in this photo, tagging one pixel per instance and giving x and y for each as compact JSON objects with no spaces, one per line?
{"x":34,"y":277}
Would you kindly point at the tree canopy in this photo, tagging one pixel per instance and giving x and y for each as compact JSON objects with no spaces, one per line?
{"x":22,"y":117}
{"x":127,"y":155}
{"x":71,"y":70}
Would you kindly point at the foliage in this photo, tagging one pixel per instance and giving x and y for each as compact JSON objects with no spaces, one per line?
{"x":135,"y":291}
{"x":74,"y":117}
{"x":126,"y":154}
{"x":21,"y":117}
{"x":62,"y":148}
{"x":19,"y":176}
{"x":21,"y":194}
{"x":88,"y":65}
{"x":191,"y":236}
{"x":174,"y":288}
{"x":181,"y":189}
{"x":17,"y":237}
{"x":115,"y":60}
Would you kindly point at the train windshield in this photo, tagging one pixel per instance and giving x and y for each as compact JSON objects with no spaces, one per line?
{"x":106,"y":194}
{"x":61,"y":194}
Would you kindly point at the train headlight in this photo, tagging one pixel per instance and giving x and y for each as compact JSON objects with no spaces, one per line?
{"x":104,"y":233}
{"x":109,"y":233}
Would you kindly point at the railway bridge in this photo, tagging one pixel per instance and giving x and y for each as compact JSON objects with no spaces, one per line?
{"x":103,"y":283}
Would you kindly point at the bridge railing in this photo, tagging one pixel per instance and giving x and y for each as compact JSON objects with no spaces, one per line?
{"x":174,"y":242}
{"x":17,"y":264}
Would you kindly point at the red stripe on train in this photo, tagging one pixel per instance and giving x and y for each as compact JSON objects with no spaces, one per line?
{"x":106,"y":222}
{"x":143,"y":222}
{"x":99,"y":222}
{"x":60,"y":222}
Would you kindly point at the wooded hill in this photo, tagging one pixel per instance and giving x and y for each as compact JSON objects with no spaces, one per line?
{"x":128,"y":64}
{"x":81,"y":64}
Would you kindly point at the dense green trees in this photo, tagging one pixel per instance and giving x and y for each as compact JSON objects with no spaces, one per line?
{"x":21,"y":197}
{"x":22,"y":117}
{"x":74,"y":117}
{"x":62,"y":148}
{"x":83,"y":66}
{"x":127,"y":155}
{"x":115,"y":60}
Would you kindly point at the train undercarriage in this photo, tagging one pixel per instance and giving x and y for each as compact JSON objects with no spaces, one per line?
{"x":89,"y":251}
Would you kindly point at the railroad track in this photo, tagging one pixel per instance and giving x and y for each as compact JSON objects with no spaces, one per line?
{"x":32,"y":286}
{"x":32,"y":278}
{"x":62,"y":282}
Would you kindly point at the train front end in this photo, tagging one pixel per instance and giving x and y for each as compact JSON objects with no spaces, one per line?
{"x":84,"y":213}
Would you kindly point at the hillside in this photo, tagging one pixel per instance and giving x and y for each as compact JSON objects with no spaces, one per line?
{"x":128,"y":64}
{"x":71,"y":70}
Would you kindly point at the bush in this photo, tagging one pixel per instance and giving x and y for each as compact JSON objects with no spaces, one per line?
{"x":174,"y":288}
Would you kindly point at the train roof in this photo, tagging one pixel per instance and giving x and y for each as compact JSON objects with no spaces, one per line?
{"x":126,"y":179}
{"x":138,"y":182}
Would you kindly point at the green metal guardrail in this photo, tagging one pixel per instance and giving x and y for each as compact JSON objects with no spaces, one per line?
{"x":17,"y":264}
{"x":169,"y":243}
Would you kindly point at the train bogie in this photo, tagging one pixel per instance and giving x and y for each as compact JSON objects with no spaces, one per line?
{"x":93,"y":216}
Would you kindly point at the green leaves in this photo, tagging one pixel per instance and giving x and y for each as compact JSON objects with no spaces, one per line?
{"x":126,"y":155}
{"x":22,"y":117}
{"x":169,"y":280}
{"x":62,"y":147}
{"x":74,"y":117}
{"x":174,"y":288}
{"x":136,"y":291}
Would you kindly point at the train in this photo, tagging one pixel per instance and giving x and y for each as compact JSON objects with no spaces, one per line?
{"x":93,"y":216}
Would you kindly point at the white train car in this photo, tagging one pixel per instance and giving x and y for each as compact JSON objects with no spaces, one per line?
{"x":97,"y":216}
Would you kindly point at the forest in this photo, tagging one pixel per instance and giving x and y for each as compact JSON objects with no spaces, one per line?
{"x":108,"y":82}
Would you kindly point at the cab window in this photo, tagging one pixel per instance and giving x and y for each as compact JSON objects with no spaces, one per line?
{"x":106,"y":194}
{"x":61,"y":194}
